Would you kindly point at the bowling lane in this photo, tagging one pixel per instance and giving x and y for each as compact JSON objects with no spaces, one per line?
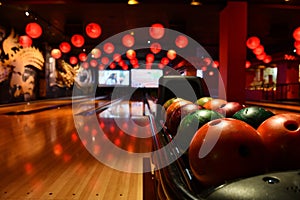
{"x":43,"y":156}
{"x":277,"y":108}
{"x":40,"y":105}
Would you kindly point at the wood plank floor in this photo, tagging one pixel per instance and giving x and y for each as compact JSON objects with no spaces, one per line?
{"x":42,"y":157}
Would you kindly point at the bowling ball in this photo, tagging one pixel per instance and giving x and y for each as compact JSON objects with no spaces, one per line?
{"x":230,"y":108}
{"x":253,"y":115}
{"x":191,"y":123}
{"x":281,"y":136}
{"x":179,"y":114}
{"x":171,"y":109}
{"x":225,"y":150}
{"x":167,"y":104}
{"x":203,"y":100}
{"x":214,"y":104}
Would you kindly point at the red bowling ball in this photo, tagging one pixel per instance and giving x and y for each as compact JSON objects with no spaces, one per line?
{"x":167,"y":104}
{"x":224,"y":150}
{"x":179,"y":114}
{"x":171,"y":109}
{"x":281,"y":136}
{"x":229,"y":108}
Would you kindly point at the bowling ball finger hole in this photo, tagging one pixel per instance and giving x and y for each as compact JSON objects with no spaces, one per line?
{"x":215,"y":122}
{"x":291,"y":125}
{"x":222,"y":105}
{"x":244,"y":151}
{"x":271,"y":180}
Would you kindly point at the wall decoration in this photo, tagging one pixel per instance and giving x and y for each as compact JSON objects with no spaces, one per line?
{"x":18,"y":66}
{"x":23,"y":79}
{"x":2,"y":34}
{"x":65,"y":74}
{"x":84,"y":78}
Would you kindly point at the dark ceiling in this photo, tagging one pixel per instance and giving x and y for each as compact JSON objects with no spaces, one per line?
{"x":271,"y":20}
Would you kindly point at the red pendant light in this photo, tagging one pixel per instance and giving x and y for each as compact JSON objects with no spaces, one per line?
{"x":25,"y":41}
{"x":181,"y":41}
{"x":134,"y":61}
{"x":122,"y":63}
{"x":82,"y":57}
{"x":215,"y":64}
{"x":171,"y":54}
{"x":65,"y":47}
{"x":130,"y":54}
{"x":56,"y":53}
{"x":105,"y":60}
{"x":135,"y":66}
{"x":125,"y":67}
{"x":93,"y":30}
{"x":33,"y":29}
{"x":261,"y":56}
{"x":117,"y":57}
{"x":73,"y":60}
{"x":165,"y":61}
{"x":157,"y":31}
{"x":93,"y":63}
{"x":207,"y":61}
{"x":85,"y":65}
{"x":296,"y":34}
{"x":101,"y":67}
{"x":96,"y":53}
{"x":253,"y":42}
{"x":77,"y":40}
{"x":247,"y":64}
{"x":297,"y":44}
{"x":161,"y":66}
{"x":108,"y":48}
{"x":259,"y":50}
{"x":128,"y":40}
{"x":267,"y":59}
{"x":150,"y":58}
{"x":155,"y":47}
{"x":112,"y":65}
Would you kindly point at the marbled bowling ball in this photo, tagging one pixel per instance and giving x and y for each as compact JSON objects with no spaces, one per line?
{"x":253,"y":115}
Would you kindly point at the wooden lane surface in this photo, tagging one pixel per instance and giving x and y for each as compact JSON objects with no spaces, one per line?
{"x":277,"y":108}
{"x":42,"y":157}
{"x":40,"y":105}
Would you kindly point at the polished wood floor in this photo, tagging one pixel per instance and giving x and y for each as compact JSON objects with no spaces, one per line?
{"x":42,"y":157}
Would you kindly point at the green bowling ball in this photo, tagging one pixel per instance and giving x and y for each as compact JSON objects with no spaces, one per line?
{"x":253,"y":115}
{"x":191,"y":123}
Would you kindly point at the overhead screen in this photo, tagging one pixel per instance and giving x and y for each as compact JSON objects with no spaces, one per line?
{"x":111,"y":78}
{"x":145,"y":78}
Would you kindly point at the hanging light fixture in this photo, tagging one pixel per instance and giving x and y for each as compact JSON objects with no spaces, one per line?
{"x":195,"y":3}
{"x":133,"y":2}
{"x":33,"y":29}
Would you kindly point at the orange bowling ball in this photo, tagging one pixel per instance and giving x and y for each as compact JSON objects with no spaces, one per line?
{"x":214,"y":104}
{"x":167,"y":104}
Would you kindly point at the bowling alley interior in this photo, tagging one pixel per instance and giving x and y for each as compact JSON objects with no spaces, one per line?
{"x":150,"y":99}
